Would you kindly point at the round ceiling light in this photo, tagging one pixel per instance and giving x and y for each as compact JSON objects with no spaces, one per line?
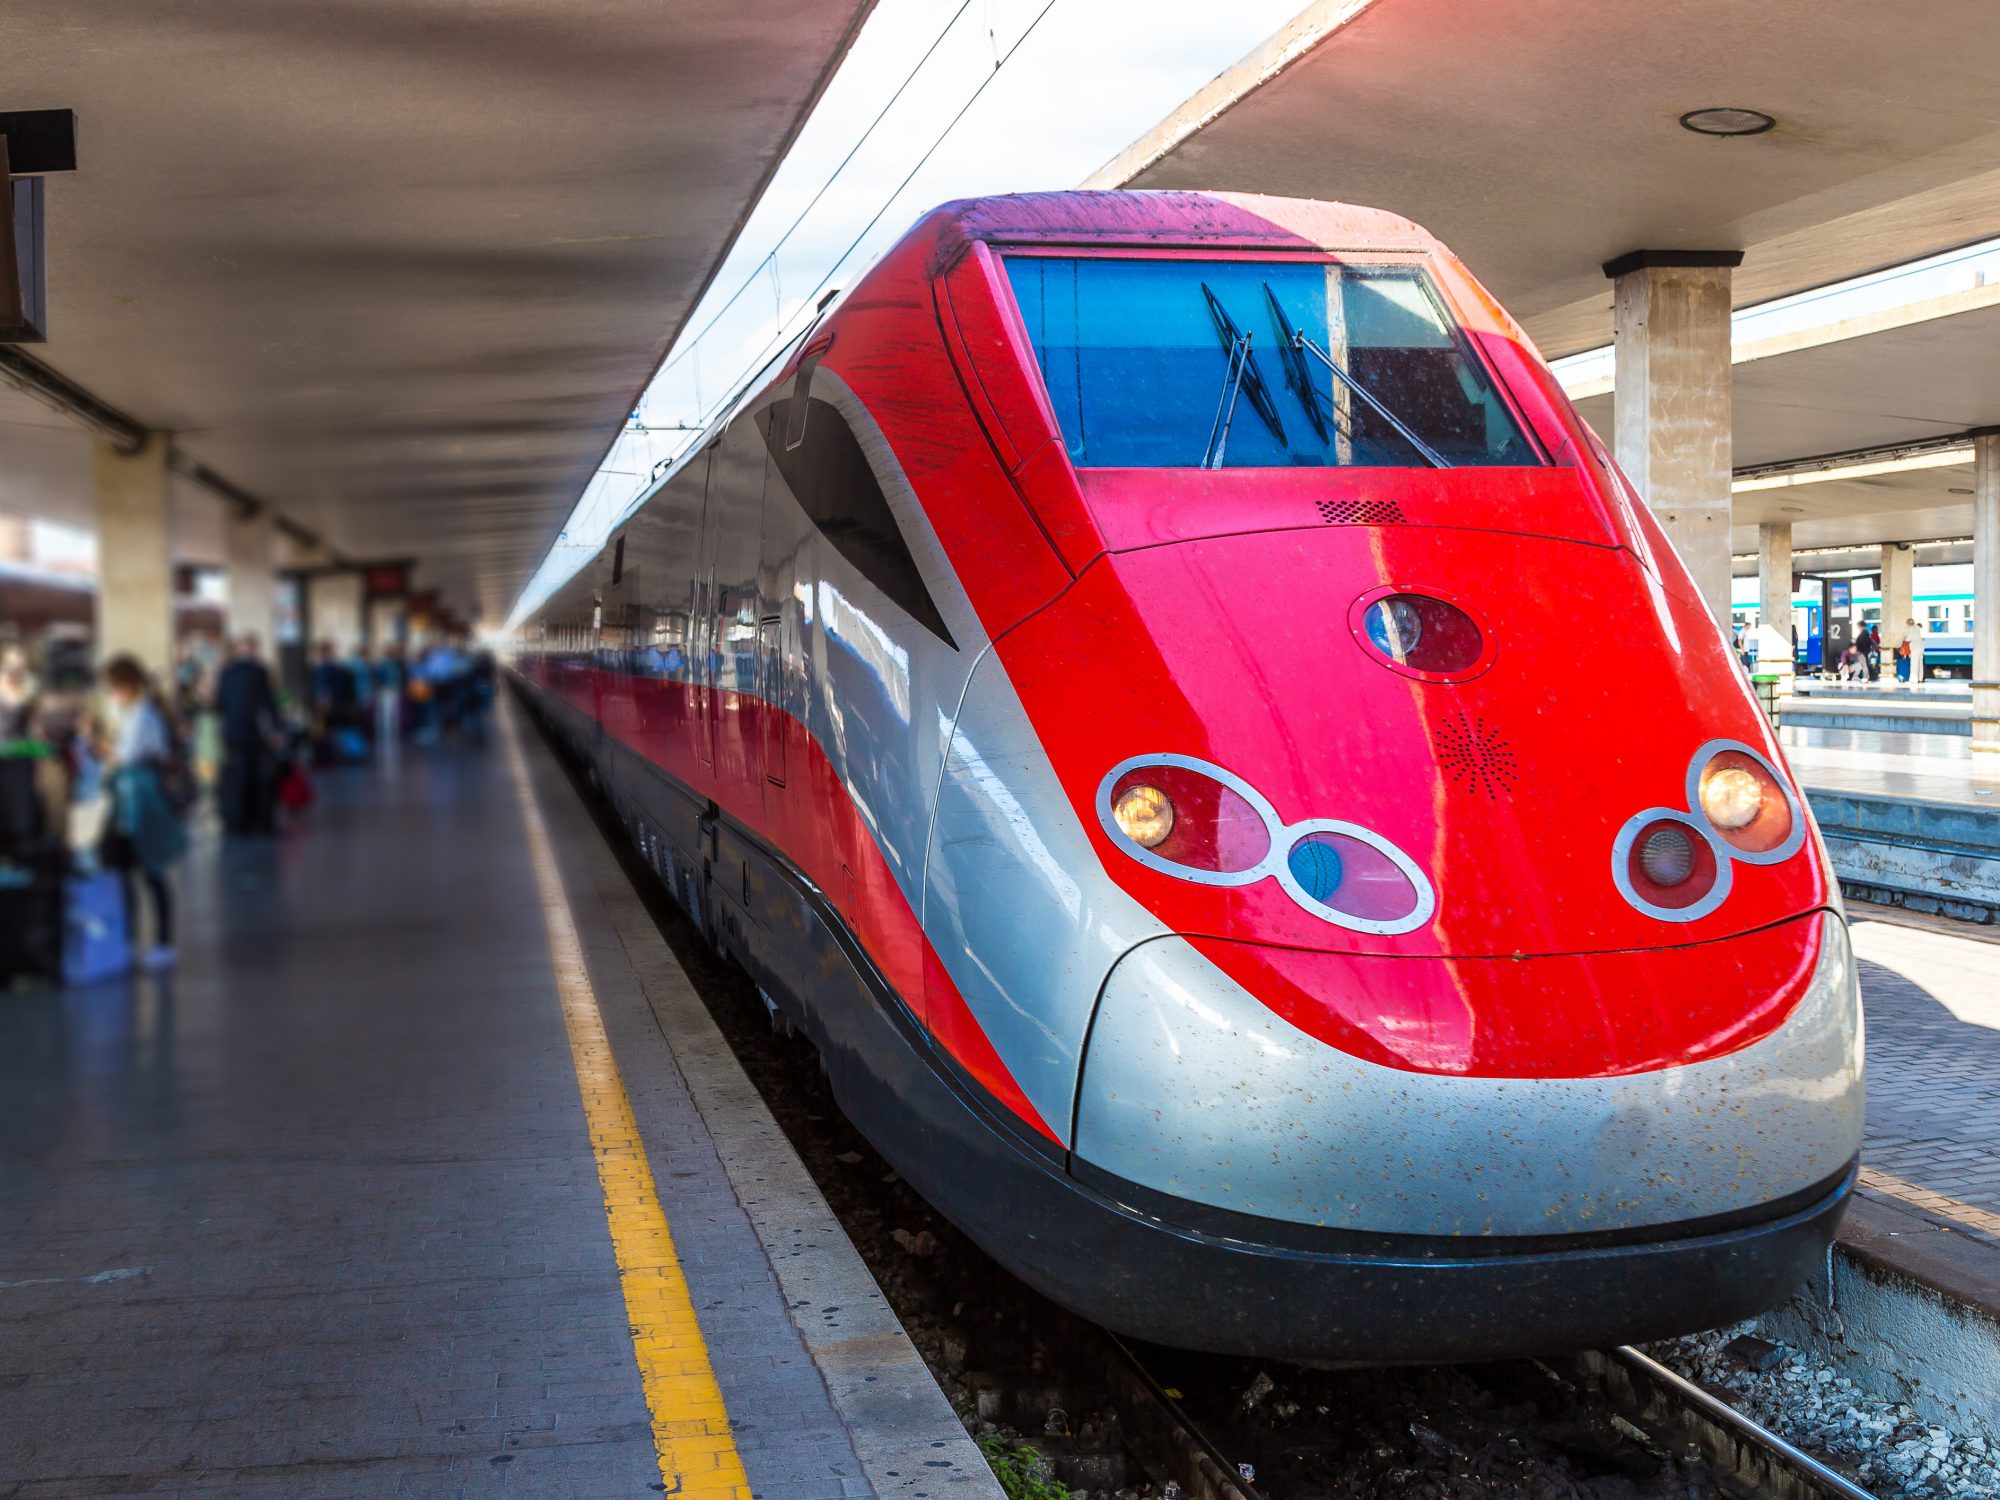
{"x":1726,"y":120}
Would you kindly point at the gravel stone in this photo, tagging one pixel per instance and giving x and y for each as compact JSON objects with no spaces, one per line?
{"x":1881,"y":1443}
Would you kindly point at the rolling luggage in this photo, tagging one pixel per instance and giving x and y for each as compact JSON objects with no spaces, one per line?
{"x":96,"y":942}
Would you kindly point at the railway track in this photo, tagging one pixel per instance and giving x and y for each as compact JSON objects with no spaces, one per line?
{"x":1656,"y":1407}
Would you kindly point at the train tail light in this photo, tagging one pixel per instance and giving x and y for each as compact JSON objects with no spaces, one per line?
{"x":1675,"y":865}
{"x":1195,"y":821}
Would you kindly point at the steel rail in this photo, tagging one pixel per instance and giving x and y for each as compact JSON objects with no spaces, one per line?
{"x":1819,"y":1479}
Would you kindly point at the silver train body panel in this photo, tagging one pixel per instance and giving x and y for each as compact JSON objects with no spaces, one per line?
{"x":1195,"y":1088}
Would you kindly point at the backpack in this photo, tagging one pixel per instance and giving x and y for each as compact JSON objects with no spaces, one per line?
{"x":176,"y":768}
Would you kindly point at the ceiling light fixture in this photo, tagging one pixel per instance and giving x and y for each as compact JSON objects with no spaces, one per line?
{"x":1727,"y":120}
{"x":1824,"y":473}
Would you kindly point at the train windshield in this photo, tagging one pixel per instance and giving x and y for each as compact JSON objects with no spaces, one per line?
{"x":1246,"y":364}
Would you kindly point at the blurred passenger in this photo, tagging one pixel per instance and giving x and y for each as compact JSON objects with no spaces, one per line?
{"x":1853,"y":666}
{"x":361,"y":689}
{"x":479,"y":678}
{"x":444,"y":669}
{"x":20,"y":697}
{"x":1871,"y":651}
{"x":390,"y":680}
{"x":146,"y":832}
{"x":332,"y":685}
{"x":248,"y":710}
{"x":1913,"y":637}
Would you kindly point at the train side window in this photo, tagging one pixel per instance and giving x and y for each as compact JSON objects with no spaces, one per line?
{"x":833,"y":481}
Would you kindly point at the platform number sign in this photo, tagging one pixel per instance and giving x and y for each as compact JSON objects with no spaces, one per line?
{"x":1839,"y":616}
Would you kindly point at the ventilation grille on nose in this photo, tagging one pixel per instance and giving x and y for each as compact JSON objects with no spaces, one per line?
{"x":1360,"y":512}
{"x":1475,"y":756}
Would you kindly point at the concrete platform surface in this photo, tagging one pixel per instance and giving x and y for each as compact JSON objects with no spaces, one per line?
{"x":1935,"y":768}
{"x":328,"y":1211}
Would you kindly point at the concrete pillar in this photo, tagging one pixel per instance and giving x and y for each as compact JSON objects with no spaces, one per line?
{"x":251,"y":552}
{"x":135,"y":565}
{"x":1774,"y":601}
{"x":333,"y":609}
{"x":1899,"y":592}
{"x":1986,"y":593}
{"x":1673,"y":421}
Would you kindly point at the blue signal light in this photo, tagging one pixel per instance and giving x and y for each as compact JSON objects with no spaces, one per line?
{"x":1315,"y":865}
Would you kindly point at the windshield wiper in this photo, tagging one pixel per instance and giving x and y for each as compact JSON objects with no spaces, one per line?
{"x":1243,"y":377}
{"x":1296,"y":374}
{"x":1430,"y":455}
{"x":1225,"y":411}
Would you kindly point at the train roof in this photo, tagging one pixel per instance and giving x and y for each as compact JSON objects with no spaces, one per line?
{"x":1224,"y":221}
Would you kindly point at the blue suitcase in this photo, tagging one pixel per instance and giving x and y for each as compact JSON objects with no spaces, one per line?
{"x":96,"y":943}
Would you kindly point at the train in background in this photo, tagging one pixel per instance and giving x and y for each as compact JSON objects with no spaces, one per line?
{"x":53,"y":614}
{"x":1114,"y":688}
{"x":1942,"y":601}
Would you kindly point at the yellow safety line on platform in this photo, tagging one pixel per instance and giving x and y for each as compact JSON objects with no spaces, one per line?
{"x":1981,"y":1220}
{"x":697,"y":1452}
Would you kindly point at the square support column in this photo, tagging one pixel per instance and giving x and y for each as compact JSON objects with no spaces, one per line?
{"x":135,"y":564}
{"x":1986,"y":593}
{"x":334,"y":605}
{"x":1672,"y":401}
{"x":1774,"y":602}
{"x":1899,"y":592}
{"x":251,"y":543}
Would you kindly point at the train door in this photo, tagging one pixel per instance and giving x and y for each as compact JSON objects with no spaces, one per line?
{"x":785,"y":566}
{"x":771,"y":694}
{"x":731,"y":533}
{"x":701,"y":627}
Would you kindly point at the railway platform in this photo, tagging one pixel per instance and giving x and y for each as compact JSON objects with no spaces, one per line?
{"x":427,"y":1174}
{"x":1910,"y":819}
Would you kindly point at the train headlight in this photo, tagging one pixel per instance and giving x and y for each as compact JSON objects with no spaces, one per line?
{"x":1744,"y":802}
{"x":1730,"y":796}
{"x":1676,"y":865}
{"x":1144,"y":814}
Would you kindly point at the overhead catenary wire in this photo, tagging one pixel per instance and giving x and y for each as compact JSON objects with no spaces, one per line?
{"x":785,"y":332}
{"x":770,"y":256}
{"x":782,"y":336}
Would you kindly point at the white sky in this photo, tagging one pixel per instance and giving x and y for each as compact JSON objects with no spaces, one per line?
{"x":1067,"y":85}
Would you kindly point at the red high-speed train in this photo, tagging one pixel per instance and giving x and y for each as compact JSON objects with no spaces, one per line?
{"x":1117,"y":690}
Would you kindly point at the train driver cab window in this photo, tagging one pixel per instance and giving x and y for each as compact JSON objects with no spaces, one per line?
{"x":831,"y":478}
{"x":1258,"y":364}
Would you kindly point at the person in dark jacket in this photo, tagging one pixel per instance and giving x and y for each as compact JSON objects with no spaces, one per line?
{"x":248,"y":711}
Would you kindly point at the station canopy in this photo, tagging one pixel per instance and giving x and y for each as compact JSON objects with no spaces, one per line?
{"x":400,"y":267}
{"x":1542,"y":138}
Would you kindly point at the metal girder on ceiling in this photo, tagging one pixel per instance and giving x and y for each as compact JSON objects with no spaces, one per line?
{"x":398,"y":266}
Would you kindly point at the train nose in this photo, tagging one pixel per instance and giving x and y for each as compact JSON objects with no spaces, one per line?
{"x":1195,"y":1087}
